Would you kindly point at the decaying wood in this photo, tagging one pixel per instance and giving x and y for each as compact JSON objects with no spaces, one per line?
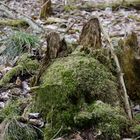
{"x":13,"y":22}
{"x":55,"y":48}
{"x":53,"y":44}
{"x":91,"y":34}
{"x":36,"y":27}
{"x":46,"y":9}
{"x":130,"y":63}
{"x":120,"y":74}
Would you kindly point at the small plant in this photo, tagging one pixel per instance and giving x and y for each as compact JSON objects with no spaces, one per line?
{"x":16,"y":130}
{"x":18,"y":43}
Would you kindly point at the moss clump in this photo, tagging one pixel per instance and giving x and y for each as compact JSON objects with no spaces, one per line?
{"x":110,"y":121}
{"x":69,"y":8}
{"x":68,"y":86}
{"x":25,"y":65}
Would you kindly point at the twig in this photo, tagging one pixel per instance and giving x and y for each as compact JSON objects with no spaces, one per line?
{"x":57,"y":132}
{"x":120,"y":74}
{"x":70,"y":27}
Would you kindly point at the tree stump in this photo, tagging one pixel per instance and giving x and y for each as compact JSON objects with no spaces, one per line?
{"x":53,"y":44}
{"x":130,"y":63}
{"x":90,"y":37}
{"x":55,"y":48}
{"x":46,"y":9}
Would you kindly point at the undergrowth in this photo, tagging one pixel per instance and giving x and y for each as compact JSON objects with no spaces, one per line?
{"x":18,"y":43}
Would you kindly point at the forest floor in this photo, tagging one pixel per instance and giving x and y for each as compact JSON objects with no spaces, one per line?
{"x":68,"y":21}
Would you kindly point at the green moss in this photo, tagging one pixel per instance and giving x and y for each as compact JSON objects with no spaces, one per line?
{"x":136,"y":130}
{"x":70,"y":85}
{"x":110,"y":121}
{"x":25,"y":65}
{"x":82,"y":75}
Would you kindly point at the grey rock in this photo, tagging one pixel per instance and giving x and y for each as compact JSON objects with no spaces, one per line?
{"x":2,"y":105}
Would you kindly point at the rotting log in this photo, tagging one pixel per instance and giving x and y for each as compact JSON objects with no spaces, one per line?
{"x":13,"y":22}
{"x":46,"y":9}
{"x":113,"y":4}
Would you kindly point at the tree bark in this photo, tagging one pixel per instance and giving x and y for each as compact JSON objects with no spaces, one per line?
{"x":90,"y":37}
{"x":46,"y":9}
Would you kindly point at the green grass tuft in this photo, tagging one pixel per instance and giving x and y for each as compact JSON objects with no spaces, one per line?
{"x":18,"y":43}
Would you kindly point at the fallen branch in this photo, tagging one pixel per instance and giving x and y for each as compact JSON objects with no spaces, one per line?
{"x":13,"y":22}
{"x":120,"y":74}
{"x":36,"y":27}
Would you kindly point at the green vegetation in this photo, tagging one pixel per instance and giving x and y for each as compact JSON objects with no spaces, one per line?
{"x":73,"y":84}
{"x":18,"y":43}
{"x":111,"y":121}
{"x":69,"y":8}
{"x":25,"y":65}
{"x":10,"y":111}
{"x":13,"y":129}
{"x":18,"y":131}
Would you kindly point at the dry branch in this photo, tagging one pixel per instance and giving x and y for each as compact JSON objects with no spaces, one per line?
{"x":120,"y":74}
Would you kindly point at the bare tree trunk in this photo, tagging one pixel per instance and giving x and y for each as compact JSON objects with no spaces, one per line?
{"x":46,"y":9}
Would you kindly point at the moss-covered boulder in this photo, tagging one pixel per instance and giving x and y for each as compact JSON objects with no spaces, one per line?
{"x":70,"y":85}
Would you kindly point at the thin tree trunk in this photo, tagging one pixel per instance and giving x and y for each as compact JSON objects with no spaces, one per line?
{"x":46,"y":9}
